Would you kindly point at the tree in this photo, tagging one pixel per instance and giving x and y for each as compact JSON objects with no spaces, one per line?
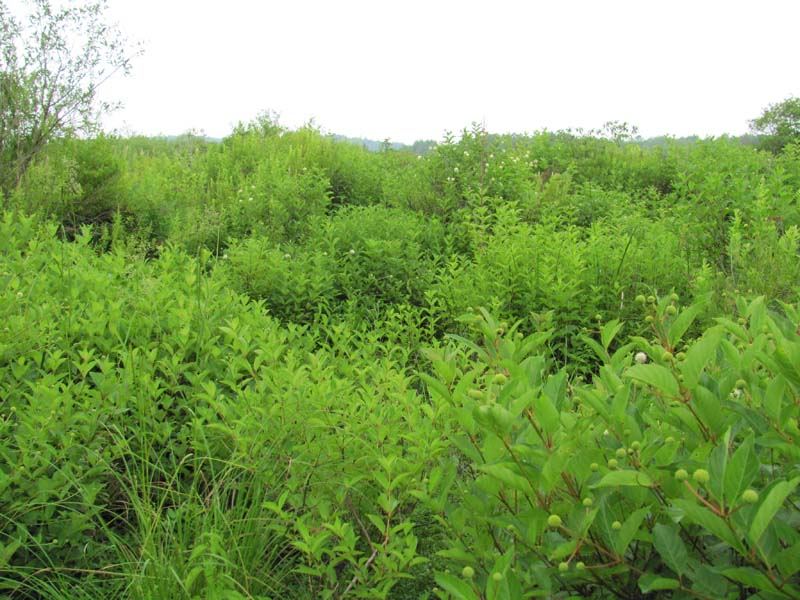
{"x":619,"y":132}
{"x":52,"y":62}
{"x":778,"y":125}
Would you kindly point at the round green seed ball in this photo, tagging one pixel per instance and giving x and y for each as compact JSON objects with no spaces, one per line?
{"x":701,"y":476}
{"x":750,"y":496}
{"x":554,"y":521}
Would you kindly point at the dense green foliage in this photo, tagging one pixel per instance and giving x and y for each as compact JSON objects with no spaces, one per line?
{"x":778,"y":125}
{"x":283,"y":366}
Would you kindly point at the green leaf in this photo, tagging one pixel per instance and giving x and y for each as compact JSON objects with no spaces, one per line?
{"x":469,"y":319}
{"x":653,"y":583}
{"x":698,"y":355}
{"x":545,"y":413}
{"x":732,"y":327}
{"x":629,"y":530}
{"x":757,"y":313}
{"x":620,"y":403}
{"x":507,"y":476}
{"x":596,"y":400}
{"x":598,"y":349}
{"x":552,"y":470}
{"x":610,"y":379}
{"x":709,"y":583}
{"x":718,"y":465}
{"x":682,"y":322}
{"x":742,"y":469}
{"x":773,"y":399}
{"x":609,"y":332}
{"x":708,"y":407}
{"x":789,"y":561}
{"x":749,"y":577}
{"x":702,"y":516}
{"x":555,"y":388}
{"x":436,"y":387}
{"x":769,"y":508}
{"x":626,"y":477}
{"x":523,"y":401}
{"x":670,"y":547}
{"x":563,"y":550}
{"x":503,"y":562}
{"x":500,"y":590}
{"x":787,"y":355}
{"x":588,"y":519}
{"x":620,"y":356}
{"x":458,"y":588}
{"x":655,"y":376}
{"x":456,"y":553}
{"x":465,"y":445}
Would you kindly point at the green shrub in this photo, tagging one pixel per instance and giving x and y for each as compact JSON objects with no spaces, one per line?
{"x":714,"y":179}
{"x":764,"y":240}
{"x":162,"y":435}
{"x":670,"y":472}
{"x":380,"y":254}
{"x":76,"y":182}
{"x":276,"y":203}
{"x":295,"y":283}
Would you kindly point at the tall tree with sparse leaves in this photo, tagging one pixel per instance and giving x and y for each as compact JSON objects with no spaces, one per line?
{"x":52,"y":62}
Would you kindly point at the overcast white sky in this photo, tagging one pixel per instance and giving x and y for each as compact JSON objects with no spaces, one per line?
{"x":411,"y":69}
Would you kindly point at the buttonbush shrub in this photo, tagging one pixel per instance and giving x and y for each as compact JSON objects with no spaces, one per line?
{"x":557,"y":487}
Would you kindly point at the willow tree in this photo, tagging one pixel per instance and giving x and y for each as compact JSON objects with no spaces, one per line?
{"x":53,"y":59}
